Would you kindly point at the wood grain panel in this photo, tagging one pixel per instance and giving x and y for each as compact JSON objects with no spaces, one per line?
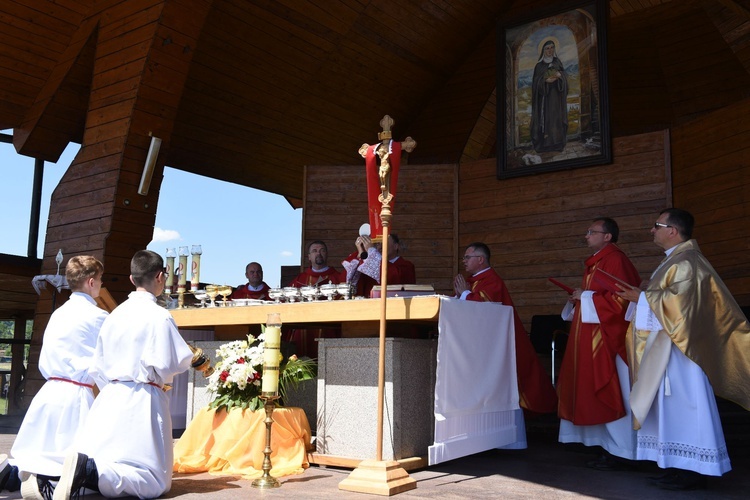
{"x":535,"y":225}
{"x":712,"y":180}
{"x":336,"y":205}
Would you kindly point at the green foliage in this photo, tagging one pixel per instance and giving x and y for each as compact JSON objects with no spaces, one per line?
{"x":237,"y":378}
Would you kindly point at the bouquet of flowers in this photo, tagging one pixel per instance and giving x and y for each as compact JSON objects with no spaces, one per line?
{"x":236,"y":381}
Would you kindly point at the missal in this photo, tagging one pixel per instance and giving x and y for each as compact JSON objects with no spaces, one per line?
{"x":404,"y":291}
{"x":561,"y":285}
{"x":608,"y":281}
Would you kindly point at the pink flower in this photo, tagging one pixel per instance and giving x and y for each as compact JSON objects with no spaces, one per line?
{"x":224,"y":375}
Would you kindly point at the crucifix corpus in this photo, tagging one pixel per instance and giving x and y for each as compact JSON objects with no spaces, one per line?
{"x":382,"y":161}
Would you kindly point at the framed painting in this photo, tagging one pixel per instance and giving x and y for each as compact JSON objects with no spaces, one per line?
{"x":552,"y":106}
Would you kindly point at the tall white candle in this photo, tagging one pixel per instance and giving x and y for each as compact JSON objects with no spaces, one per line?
{"x":195,"y":279}
{"x":170,"y":269}
{"x":182,"y":281}
{"x":271,"y":354}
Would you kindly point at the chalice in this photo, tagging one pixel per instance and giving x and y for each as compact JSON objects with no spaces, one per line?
{"x":329,"y":290}
{"x":202,"y":296}
{"x":275,"y":294}
{"x":212,"y":291}
{"x":225,"y":291}
{"x":291,"y":293}
{"x":309,"y":293}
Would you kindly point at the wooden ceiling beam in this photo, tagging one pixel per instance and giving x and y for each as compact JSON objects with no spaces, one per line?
{"x":56,"y":118}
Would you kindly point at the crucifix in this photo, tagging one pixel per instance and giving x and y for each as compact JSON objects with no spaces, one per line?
{"x":382,"y":161}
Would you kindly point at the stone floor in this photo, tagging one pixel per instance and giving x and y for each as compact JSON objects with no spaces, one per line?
{"x":546,"y":470}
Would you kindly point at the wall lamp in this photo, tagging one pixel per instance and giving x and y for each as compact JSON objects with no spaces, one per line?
{"x":148,"y":167}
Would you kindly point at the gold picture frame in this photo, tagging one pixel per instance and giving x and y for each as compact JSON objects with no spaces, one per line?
{"x":552,"y":106}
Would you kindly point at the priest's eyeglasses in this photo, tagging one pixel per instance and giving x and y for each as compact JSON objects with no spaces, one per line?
{"x":593,"y":231}
{"x":467,"y":257}
{"x":166,"y":272}
{"x":657,"y":225}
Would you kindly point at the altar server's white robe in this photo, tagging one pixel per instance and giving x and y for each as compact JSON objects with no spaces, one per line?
{"x":56,"y":412}
{"x":129,"y":429}
{"x":683,"y":428}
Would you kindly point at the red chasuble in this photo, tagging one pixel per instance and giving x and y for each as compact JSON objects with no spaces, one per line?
{"x":534,"y":384}
{"x":311,"y":278}
{"x":243,"y":292}
{"x":588,"y":387}
{"x":304,"y":339}
{"x":400,"y":272}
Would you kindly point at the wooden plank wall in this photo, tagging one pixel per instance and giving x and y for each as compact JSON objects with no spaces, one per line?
{"x":335,"y":206}
{"x":711,"y":179}
{"x":535,"y":225}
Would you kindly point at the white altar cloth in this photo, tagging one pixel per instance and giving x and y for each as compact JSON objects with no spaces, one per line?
{"x":476,"y":391}
{"x":57,"y":280}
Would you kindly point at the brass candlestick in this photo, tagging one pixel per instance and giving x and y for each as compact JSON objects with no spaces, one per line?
{"x":267,"y":480}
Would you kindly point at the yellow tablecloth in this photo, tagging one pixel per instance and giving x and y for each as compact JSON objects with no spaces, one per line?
{"x":232,"y":443}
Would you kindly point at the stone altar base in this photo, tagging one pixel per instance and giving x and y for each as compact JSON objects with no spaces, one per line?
{"x":348,"y":393}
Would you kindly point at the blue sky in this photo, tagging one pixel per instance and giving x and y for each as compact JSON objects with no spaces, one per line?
{"x":233,"y":224}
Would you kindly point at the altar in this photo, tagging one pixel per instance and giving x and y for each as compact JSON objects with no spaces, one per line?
{"x":444,"y":401}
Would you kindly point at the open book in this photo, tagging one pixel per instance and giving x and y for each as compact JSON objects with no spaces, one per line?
{"x":404,"y":290}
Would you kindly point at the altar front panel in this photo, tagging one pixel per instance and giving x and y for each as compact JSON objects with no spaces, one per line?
{"x":348,"y":397}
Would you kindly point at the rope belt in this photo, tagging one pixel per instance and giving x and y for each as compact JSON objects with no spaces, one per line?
{"x":60,"y":379}
{"x":134,"y":382}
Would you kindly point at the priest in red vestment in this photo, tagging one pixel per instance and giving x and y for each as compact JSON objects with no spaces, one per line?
{"x":594,"y":386}
{"x":319,"y":273}
{"x":363,"y":265}
{"x":535,"y":389}
{"x":255,"y":288}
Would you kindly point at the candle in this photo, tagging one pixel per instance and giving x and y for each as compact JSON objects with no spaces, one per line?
{"x":182,"y":281}
{"x":271,"y":354}
{"x":196,"y":251}
{"x":170,"y":269}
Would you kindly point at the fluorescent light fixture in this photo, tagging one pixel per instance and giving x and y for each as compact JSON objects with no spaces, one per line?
{"x":148,"y":167}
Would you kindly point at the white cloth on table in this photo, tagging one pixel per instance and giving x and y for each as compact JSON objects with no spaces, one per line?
{"x":47,"y":432}
{"x":476,"y":390}
{"x":617,"y":437}
{"x":57,"y":280}
{"x":129,"y":429}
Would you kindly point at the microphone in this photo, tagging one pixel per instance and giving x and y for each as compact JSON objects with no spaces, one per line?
{"x":363,"y":255}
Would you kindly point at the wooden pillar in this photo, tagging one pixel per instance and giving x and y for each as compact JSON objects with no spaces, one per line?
{"x":142,"y":58}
